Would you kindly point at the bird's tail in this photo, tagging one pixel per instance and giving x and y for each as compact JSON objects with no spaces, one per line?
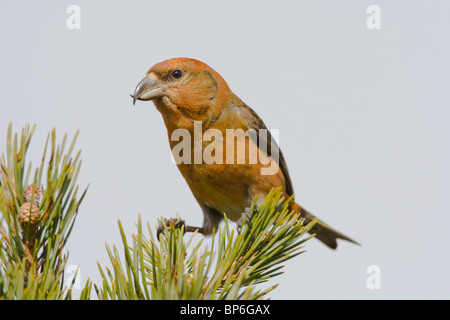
{"x":323,"y":232}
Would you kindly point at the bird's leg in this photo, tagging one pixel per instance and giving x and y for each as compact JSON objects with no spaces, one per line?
{"x":178,"y":223}
{"x":245,"y":215}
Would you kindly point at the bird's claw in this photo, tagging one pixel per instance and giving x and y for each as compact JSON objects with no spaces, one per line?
{"x":247,"y":215}
{"x":176,"y":222}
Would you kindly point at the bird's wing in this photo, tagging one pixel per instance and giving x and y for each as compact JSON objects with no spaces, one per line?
{"x":253,"y":121}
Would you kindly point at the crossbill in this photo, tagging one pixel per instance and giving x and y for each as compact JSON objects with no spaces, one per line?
{"x":187,"y":92}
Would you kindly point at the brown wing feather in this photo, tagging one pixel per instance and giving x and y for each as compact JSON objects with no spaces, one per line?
{"x":253,"y":121}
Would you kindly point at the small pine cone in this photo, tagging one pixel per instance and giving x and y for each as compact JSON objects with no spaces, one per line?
{"x":29,"y":212}
{"x":29,"y":196}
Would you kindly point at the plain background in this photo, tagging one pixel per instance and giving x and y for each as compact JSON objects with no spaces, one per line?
{"x":363,"y":118}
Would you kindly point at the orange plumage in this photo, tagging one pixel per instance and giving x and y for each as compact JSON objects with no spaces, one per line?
{"x":188,"y":92}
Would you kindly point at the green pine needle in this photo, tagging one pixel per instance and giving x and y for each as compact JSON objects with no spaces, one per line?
{"x":232,"y":264}
{"x":32,"y":257}
{"x":173,"y":269}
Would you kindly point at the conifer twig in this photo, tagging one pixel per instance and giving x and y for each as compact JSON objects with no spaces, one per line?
{"x":171,"y":269}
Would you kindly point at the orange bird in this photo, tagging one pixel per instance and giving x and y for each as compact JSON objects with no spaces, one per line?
{"x":192,"y":96}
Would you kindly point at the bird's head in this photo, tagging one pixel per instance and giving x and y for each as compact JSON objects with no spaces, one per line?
{"x":185,"y":86}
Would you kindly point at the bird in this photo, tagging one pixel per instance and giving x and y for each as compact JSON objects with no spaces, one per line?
{"x":191,"y":96}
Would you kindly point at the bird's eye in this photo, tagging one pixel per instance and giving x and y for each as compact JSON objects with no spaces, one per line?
{"x":176,"y":74}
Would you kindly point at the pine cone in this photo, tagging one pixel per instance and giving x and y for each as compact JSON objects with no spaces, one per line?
{"x":29,"y":196}
{"x":29,"y":212}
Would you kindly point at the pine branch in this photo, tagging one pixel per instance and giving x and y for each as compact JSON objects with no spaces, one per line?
{"x":38,"y":211}
{"x":171,"y":269}
{"x":36,"y":217}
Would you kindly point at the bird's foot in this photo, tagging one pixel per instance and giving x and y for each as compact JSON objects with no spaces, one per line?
{"x":176,"y":222}
{"x":246,"y":215}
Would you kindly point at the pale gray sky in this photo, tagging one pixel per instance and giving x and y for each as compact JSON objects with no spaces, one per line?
{"x":362,"y":114}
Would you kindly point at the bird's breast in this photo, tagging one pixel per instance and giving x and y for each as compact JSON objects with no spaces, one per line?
{"x":222,"y":165}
